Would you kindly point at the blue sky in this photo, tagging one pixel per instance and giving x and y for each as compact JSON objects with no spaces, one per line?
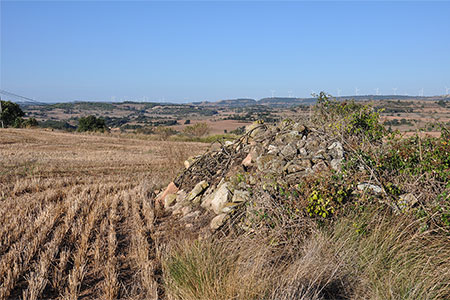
{"x":191,"y":51}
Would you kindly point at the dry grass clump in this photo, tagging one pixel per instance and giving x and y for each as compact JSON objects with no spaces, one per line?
{"x":363,"y":256}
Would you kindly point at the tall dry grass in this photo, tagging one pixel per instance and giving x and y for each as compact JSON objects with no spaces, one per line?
{"x":369,"y":256}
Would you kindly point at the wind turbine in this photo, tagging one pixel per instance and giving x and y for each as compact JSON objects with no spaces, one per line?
{"x":356,"y":91}
{"x":273,"y":93}
{"x":395,"y":91}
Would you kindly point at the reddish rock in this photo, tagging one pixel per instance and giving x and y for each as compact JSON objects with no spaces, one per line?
{"x":170,"y":189}
{"x":247,"y":161}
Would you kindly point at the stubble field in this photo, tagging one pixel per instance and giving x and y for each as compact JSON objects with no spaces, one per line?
{"x":76,"y":213}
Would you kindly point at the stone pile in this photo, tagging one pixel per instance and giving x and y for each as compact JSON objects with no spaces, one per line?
{"x":211,"y":187}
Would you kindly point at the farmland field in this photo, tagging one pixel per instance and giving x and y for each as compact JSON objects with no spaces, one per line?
{"x":76,"y":213}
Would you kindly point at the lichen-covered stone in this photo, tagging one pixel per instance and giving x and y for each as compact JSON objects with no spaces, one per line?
{"x":217,"y":221}
{"x":197,"y":190}
{"x":368,"y":186}
{"x":240,"y":196}
{"x":221,"y":196}
{"x":336,"y":149}
{"x":289,"y":151}
{"x":169,"y":200}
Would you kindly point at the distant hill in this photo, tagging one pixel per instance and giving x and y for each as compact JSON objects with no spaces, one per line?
{"x":236,"y":102}
{"x":284,"y":102}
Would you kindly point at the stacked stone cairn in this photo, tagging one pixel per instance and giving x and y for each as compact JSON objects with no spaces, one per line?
{"x":212,"y":188}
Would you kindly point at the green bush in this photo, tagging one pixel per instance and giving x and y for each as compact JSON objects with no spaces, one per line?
{"x":348,"y":118}
{"x":25,"y":123}
{"x":11,"y":114}
{"x":91,"y":123}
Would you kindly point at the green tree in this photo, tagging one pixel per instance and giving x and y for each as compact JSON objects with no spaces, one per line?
{"x":91,"y":123}
{"x":10,"y":113}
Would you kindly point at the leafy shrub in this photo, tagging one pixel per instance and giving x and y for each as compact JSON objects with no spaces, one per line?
{"x":61,"y":125}
{"x":25,"y":123}
{"x":91,"y":123}
{"x":326,"y":194}
{"x":348,"y":118}
{"x":11,"y":114}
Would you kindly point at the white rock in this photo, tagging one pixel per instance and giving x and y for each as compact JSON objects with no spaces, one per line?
{"x":221,"y":197}
{"x":338,"y":150}
{"x":375,"y":188}
{"x":336,"y":164}
{"x":197,"y":190}
{"x":217,"y":221}
{"x":240,"y":196}
{"x":169,"y":200}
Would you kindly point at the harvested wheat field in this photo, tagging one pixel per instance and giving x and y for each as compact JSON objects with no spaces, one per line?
{"x":76,"y":216}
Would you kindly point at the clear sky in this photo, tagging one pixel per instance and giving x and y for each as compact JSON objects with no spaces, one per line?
{"x":191,"y":51}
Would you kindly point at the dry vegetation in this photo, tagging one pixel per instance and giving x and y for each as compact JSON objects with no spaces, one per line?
{"x":76,"y":216}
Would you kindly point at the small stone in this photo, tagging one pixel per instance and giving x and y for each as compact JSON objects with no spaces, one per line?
{"x":197,"y":190}
{"x":317,"y":159}
{"x":170,"y":189}
{"x":217,"y":221}
{"x":264,"y":161}
{"x":312,"y":145}
{"x":337,"y":150}
{"x":277,"y":165}
{"x":181,"y":196}
{"x":229,"y":207}
{"x":240,"y":196}
{"x":255,"y":129}
{"x":192,"y":215}
{"x":295,"y":134}
{"x":336,"y":163}
{"x":320,"y":166}
{"x":289,"y":151}
{"x":297,"y":165}
{"x":185,"y":210}
{"x":190,"y":161}
{"x":303,"y":152}
{"x":364,"y":186}
{"x":299,"y":127}
{"x":273,"y":149}
{"x":408,"y":199}
{"x":249,"y":159}
{"x":169,"y":200}
{"x":206,"y":201}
